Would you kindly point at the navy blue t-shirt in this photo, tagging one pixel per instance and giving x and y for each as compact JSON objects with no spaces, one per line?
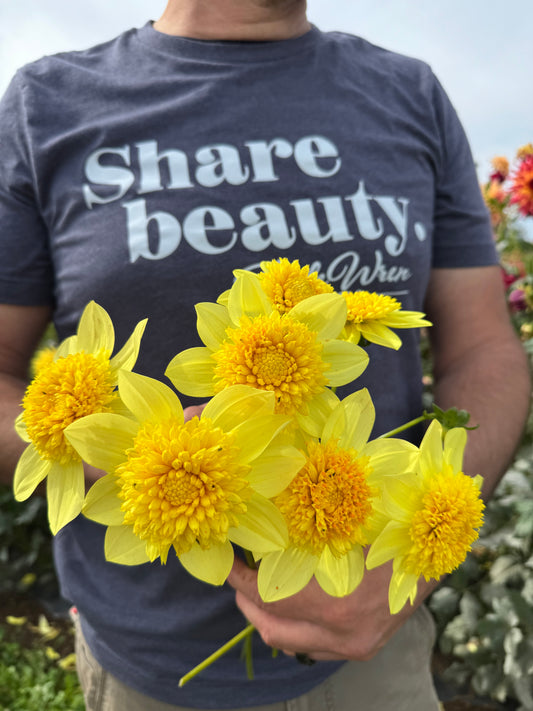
{"x":140,"y":173}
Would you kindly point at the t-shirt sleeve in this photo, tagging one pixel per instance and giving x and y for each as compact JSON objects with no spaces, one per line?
{"x":26,"y":275}
{"x":462,"y":231}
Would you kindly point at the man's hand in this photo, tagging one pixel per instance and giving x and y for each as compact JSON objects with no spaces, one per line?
{"x":324,"y":627}
{"x":193,"y":411}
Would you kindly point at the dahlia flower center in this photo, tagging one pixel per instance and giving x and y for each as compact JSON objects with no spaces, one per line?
{"x":182,"y":490}
{"x":295,"y":290}
{"x":366,"y":306}
{"x":63,"y":391}
{"x":274,"y":353}
{"x":286,"y":284}
{"x":443,"y":529}
{"x":182,"y":483}
{"x":272,"y":365}
{"x":329,"y":501}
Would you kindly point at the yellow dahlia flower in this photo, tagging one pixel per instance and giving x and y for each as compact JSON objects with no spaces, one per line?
{"x":193,"y":486}
{"x":373,"y":315}
{"x":294,"y":355}
{"x":287,"y":283}
{"x":434,"y":513}
{"x":79,"y":380}
{"x":329,"y":506}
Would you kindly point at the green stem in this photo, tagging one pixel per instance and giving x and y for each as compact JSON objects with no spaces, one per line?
{"x":216,"y":655}
{"x":411,"y":423}
{"x":249,"y":657}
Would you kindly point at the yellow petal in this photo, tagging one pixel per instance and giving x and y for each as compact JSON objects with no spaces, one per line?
{"x":378,"y":333}
{"x":223,"y":298}
{"x":353,"y":421}
{"x":237,"y":403}
{"x":124,"y":547}
{"x":253,"y":435}
{"x":211,"y":323}
{"x":212,"y":565}
{"x":406,"y":319}
{"x":284,"y":573}
{"x":102,"y":439}
{"x":351,"y":333}
{"x":347,"y":361}
{"x":117,"y":407}
{"x":51,"y":653}
{"x":65,"y":489}
{"x":191,"y":372}
{"x":127,"y":356}
{"x":102,"y":503}
{"x":323,"y":313}
{"x":261,"y":529}
{"x":68,"y":663}
{"x":45,"y":629}
{"x":320,"y":408}
{"x":147,"y":398}
{"x":402,"y":587}
{"x":20,"y":428}
{"x":390,"y":457}
{"x":247,"y":297}
{"x":454,"y":446}
{"x":95,"y":330}
{"x":431,"y":455}
{"x":29,"y":473}
{"x":401,"y":496}
{"x":67,"y":347}
{"x":340,"y":576}
{"x":391,"y":542}
{"x":275,"y":468}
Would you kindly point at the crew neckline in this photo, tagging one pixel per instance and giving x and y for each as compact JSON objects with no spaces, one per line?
{"x":226,"y":50}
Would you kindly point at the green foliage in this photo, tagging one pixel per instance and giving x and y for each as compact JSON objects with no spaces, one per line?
{"x":484,"y":610}
{"x":450,"y":418}
{"x":29,"y":681}
{"x":25,"y":545}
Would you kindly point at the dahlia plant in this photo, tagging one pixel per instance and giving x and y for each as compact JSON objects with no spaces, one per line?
{"x":508,"y":194}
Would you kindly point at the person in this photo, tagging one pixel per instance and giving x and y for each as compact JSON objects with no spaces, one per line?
{"x":140,"y":173}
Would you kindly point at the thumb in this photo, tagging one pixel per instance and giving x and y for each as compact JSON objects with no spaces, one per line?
{"x":243,"y":579}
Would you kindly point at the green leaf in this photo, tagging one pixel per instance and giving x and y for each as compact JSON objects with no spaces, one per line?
{"x":471,"y":609}
{"x":450,"y":418}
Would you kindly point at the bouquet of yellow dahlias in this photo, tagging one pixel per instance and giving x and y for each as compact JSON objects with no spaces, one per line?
{"x":276,"y":464}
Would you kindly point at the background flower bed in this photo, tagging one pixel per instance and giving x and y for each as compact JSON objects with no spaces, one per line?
{"x":483,"y":611}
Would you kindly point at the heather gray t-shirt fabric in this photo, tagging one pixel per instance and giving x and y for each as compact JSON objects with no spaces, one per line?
{"x":140,"y":173}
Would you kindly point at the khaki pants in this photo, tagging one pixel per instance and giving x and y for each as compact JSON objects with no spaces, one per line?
{"x":396,"y":679}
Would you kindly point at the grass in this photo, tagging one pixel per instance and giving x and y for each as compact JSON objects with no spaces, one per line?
{"x":30,"y":681}
{"x":36,"y":662}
